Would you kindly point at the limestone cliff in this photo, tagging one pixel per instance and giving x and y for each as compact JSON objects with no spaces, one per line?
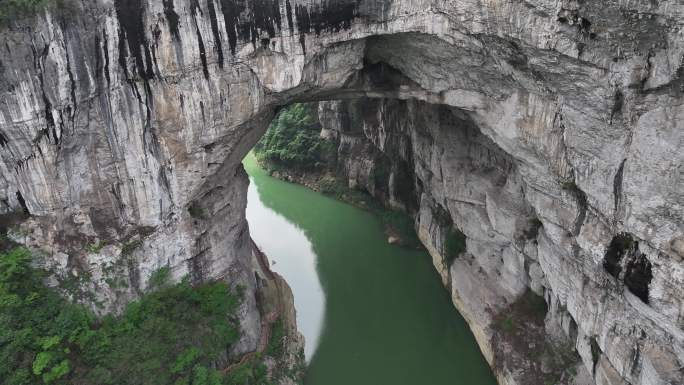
{"x":434,"y":163}
{"x":123,"y":123}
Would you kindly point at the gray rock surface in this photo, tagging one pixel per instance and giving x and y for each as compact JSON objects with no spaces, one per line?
{"x":123,"y":124}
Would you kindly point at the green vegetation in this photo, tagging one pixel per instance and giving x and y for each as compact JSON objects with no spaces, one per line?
{"x":10,"y":9}
{"x":197,"y":212}
{"x":595,"y":351}
{"x":293,"y":142}
{"x":293,"y":139}
{"x":96,"y":247}
{"x":507,"y":324}
{"x":454,"y":239}
{"x":249,"y":373}
{"x":175,"y":334}
{"x":395,"y":222}
{"x":129,"y":247}
{"x":160,"y":278}
{"x":454,"y":245}
{"x":18,"y":9}
{"x":276,"y":343}
{"x":569,"y":185}
{"x":331,"y":186}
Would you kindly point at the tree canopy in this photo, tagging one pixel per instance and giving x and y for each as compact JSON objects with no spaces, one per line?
{"x":293,"y":139}
{"x":173,"y":335}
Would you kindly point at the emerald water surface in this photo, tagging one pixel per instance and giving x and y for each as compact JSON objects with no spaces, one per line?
{"x":371,"y":313}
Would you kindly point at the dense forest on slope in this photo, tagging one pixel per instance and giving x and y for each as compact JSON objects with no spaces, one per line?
{"x":175,"y":334}
{"x":293,"y":139}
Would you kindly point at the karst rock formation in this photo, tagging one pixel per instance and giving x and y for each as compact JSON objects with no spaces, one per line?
{"x":550,"y":132}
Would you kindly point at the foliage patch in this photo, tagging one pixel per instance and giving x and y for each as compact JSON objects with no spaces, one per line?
{"x":293,"y":139}
{"x":454,"y":245}
{"x":20,"y":9}
{"x":176,"y":334}
{"x":293,"y":143}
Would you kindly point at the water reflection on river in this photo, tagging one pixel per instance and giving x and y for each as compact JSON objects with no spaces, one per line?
{"x":371,"y":313}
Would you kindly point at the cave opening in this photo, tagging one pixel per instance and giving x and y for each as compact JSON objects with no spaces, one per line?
{"x":22,"y":203}
{"x":619,"y":246}
{"x":625,"y":262}
{"x":638,"y":276}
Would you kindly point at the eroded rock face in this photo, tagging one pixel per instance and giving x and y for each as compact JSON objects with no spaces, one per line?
{"x":123,"y":124}
{"x":515,"y":243}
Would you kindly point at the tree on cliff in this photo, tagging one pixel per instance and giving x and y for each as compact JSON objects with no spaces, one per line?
{"x":293,"y":139}
{"x":175,"y":334}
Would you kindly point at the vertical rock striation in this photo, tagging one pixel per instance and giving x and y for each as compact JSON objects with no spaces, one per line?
{"x":527,"y":228}
{"x":549,"y":132}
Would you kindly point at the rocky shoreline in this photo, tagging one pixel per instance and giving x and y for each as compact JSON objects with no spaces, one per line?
{"x":276,"y":306}
{"x":515,"y":344}
{"x":327,"y":183}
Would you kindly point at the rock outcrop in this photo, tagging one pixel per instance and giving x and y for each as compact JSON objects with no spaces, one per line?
{"x":549,"y":132}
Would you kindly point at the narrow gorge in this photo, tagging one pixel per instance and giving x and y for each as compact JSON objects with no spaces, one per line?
{"x":546,"y":134}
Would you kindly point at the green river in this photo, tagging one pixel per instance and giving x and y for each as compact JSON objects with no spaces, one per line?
{"x":371,"y":313}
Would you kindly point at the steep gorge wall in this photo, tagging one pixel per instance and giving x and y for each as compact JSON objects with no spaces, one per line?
{"x":123,"y":124}
{"x":435,"y":163}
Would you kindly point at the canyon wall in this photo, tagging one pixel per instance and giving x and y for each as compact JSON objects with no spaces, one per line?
{"x":549,"y":132}
{"x":433,"y":162}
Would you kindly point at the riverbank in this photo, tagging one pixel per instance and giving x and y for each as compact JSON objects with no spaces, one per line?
{"x":387,"y":319}
{"x":281,"y":345}
{"x":398,"y":226}
{"x":515,"y":343}
{"x":190,"y":331}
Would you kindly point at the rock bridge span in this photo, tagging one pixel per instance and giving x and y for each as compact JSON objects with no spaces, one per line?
{"x":124,"y":122}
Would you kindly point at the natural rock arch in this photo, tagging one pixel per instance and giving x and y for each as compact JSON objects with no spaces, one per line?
{"x":117,"y":123}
